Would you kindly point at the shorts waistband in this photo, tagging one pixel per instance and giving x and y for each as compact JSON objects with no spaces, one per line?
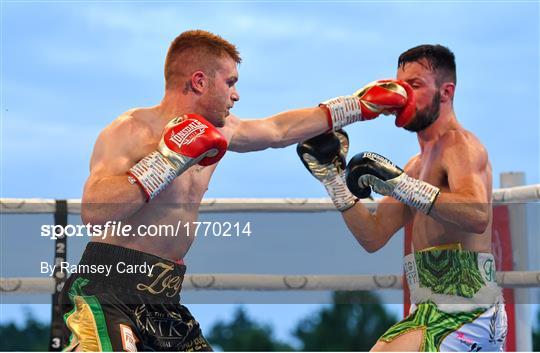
{"x":448,"y":268}
{"x":134,"y":271}
{"x":452,"y":277}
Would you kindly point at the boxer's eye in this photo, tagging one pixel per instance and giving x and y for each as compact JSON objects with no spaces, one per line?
{"x":414,"y":83}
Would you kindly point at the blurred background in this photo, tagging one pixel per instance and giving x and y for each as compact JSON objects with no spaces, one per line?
{"x":69,"y":68}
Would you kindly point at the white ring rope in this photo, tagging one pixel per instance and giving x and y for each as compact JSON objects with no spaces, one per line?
{"x":250,"y":282}
{"x":11,"y":205}
{"x":512,"y":279}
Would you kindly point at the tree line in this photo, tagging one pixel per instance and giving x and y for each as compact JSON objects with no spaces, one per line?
{"x":353,"y":322}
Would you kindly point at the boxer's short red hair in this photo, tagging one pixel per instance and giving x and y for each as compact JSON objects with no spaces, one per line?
{"x":196,"y":50}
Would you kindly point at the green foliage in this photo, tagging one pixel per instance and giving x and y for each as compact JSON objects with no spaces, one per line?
{"x":244,"y":334}
{"x":32,"y":336}
{"x":353,"y":322}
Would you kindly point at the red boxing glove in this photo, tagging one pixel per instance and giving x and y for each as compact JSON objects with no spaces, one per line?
{"x":192,"y":136}
{"x":379,"y":97}
{"x":404,"y":114}
{"x":186,"y":141}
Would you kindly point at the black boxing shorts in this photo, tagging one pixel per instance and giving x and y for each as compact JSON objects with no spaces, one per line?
{"x":126,"y":300}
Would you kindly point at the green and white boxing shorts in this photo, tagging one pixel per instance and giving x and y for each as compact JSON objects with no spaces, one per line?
{"x":456,"y":301}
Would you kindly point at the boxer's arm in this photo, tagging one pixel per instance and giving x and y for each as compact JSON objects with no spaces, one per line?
{"x":277,"y":131}
{"x":467,"y":203}
{"x":373,"y":231}
{"x":284,"y":129}
{"x":107,"y":194}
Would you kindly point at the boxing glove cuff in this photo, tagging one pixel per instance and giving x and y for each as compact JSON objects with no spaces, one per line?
{"x":342,"y":111}
{"x":415,"y":193}
{"x":337,"y":189}
{"x":153,"y":173}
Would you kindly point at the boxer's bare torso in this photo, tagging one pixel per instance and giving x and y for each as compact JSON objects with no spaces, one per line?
{"x":109,"y":196}
{"x":432,"y":166}
{"x":451,"y":159}
{"x":178,"y":205}
{"x":455,"y":162}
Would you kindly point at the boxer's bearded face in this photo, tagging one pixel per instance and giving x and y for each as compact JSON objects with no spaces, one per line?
{"x":420,"y":75}
{"x":426,"y":116}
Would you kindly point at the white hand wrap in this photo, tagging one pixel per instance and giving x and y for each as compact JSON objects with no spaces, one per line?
{"x":415,"y":193}
{"x":343,"y":110}
{"x":339,"y":193}
{"x":153,"y":173}
{"x":333,"y":181}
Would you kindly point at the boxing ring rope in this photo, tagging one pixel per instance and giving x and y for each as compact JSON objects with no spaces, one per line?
{"x":511,"y":279}
{"x":12,"y":205}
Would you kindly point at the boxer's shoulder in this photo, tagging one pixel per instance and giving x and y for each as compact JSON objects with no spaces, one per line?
{"x":458,"y":136}
{"x":130,"y":136}
{"x":462,"y":142}
{"x":137,"y":123}
{"x":232,"y":122}
{"x":413,"y":165}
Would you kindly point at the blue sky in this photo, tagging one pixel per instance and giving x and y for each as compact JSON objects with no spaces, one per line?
{"x":69,"y":68}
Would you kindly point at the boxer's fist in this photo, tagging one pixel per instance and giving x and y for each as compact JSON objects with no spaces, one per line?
{"x":186,"y":141}
{"x":324,"y":156}
{"x":379,"y":97}
{"x":369,"y":170}
{"x":191,"y":139}
{"x":394,"y":97}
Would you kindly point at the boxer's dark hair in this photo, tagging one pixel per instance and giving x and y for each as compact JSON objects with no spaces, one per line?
{"x":440,"y":59}
{"x":196,"y":50}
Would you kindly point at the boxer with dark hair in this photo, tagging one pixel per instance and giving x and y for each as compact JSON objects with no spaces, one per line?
{"x":445,"y":191}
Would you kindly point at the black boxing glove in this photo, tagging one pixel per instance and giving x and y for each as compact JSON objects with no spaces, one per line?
{"x":324,"y":156}
{"x":369,"y":170}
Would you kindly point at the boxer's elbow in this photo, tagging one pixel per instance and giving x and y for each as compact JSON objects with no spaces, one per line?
{"x":90,"y":214}
{"x":86,"y":216}
{"x":93,"y":211}
{"x":479,"y":219}
{"x":480,"y":225}
{"x":370,"y":248}
{"x":90,"y":209}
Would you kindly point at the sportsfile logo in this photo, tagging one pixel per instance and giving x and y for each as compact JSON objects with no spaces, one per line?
{"x":188,"y":134}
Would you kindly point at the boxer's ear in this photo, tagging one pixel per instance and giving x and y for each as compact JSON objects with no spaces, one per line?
{"x":447,"y":90}
{"x":199,"y":82}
